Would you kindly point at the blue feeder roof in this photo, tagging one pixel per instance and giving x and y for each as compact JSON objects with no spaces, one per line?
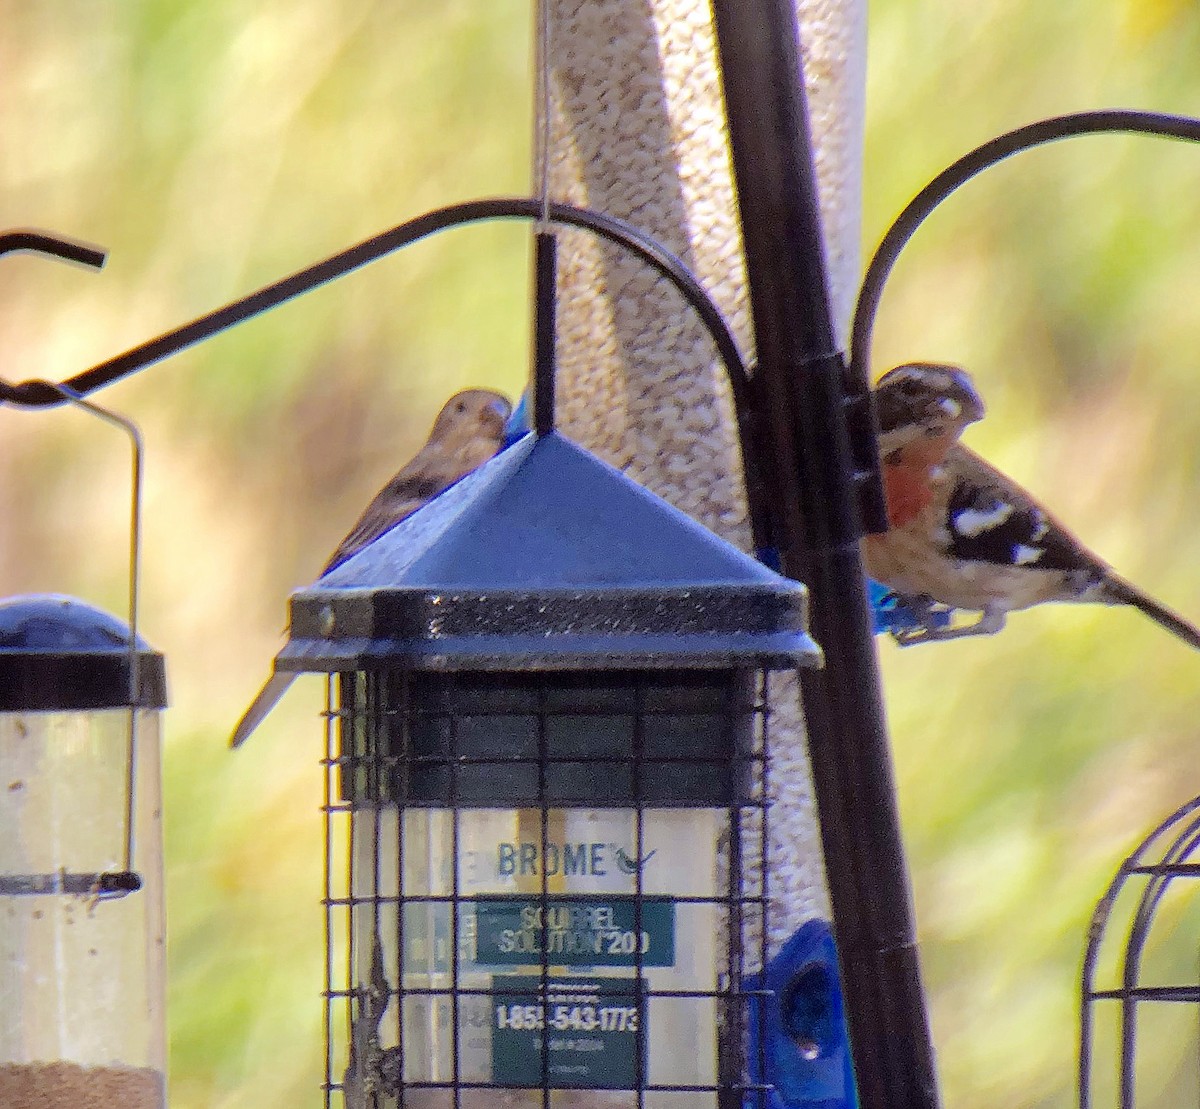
{"x":547,"y":557}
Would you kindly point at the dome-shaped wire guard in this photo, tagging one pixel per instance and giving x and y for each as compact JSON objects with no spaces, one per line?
{"x":1163,"y":858}
{"x":37,"y":393}
{"x":1165,"y":855}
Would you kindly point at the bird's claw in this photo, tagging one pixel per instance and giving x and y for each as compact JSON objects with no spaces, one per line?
{"x":906,"y":616}
{"x":932,"y":622}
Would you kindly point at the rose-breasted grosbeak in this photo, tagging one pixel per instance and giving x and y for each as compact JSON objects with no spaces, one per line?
{"x":468,"y":431}
{"x":962,"y":534}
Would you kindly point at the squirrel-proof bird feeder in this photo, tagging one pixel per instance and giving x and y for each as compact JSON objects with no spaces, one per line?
{"x":548,"y":752}
{"x":82,"y":954}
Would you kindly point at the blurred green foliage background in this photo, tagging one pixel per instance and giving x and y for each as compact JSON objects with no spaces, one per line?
{"x":216,"y":146}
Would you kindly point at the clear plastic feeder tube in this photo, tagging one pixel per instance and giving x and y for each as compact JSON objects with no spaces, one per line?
{"x":82,"y":941}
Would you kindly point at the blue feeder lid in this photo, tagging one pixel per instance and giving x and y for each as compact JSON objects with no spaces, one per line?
{"x":58,"y":654}
{"x":548,"y":558}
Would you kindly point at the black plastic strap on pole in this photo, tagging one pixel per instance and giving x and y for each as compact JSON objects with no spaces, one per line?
{"x":545,"y":303}
{"x":802,"y":379}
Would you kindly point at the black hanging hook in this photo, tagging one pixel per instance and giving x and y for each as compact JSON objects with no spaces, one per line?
{"x":1130,"y":121}
{"x":51,"y":245}
{"x":37,"y":393}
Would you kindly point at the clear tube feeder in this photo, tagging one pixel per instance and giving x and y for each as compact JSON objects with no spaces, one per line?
{"x":82,"y":940}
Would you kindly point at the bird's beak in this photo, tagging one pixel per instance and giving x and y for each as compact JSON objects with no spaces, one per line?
{"x":964,"y":395}
{"x":496,"y":415}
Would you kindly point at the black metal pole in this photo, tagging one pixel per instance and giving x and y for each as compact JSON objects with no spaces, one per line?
{"x":802,"y":383}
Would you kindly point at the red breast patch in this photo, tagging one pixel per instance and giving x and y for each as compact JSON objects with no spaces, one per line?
{"x":907,"y":491}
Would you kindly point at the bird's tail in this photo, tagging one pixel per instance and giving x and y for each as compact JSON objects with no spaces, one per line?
{"x":1120,"y":592}
{"x":268,"y":697}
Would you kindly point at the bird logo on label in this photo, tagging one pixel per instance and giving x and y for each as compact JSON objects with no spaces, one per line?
{"x":628,"y":864}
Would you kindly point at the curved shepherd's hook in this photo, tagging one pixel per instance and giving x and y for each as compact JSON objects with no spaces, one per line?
{"x":35,"y":393}
{"x":1107,"y":121}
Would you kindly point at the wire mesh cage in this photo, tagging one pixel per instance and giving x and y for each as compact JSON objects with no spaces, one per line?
{"x":544,"y":889}
{"x":1140,"y":984}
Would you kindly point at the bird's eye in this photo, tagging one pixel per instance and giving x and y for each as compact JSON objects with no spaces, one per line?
{"x":461,"y":406}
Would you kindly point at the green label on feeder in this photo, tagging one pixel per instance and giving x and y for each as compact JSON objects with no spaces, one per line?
{"x":580,"y":1034}
{"x":575,"y":932}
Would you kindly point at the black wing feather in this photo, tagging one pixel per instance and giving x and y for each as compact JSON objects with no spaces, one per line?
{"x":986,"y":526}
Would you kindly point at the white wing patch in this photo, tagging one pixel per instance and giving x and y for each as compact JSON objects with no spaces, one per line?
{"x":1024,"y":555}
{"x":972,"y":522}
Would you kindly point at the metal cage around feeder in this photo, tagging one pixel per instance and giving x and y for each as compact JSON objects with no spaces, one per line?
{"x":548,"y":753}
{"x":1140,"y":985}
